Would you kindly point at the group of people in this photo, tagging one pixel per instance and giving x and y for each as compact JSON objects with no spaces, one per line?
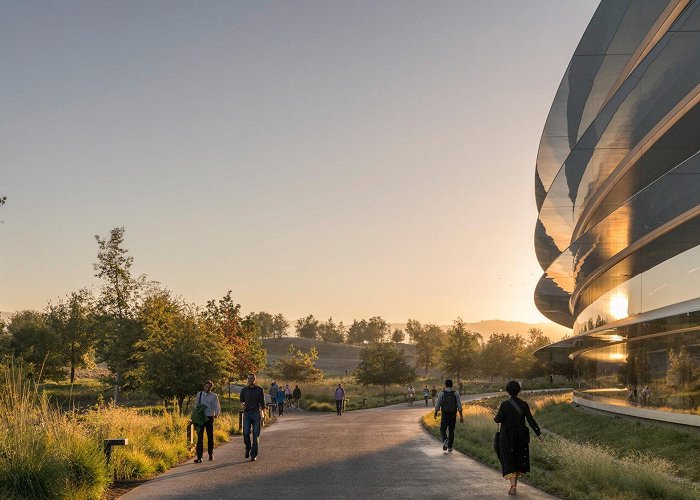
{"x":511,"y":442}
{"x":281,"y":397}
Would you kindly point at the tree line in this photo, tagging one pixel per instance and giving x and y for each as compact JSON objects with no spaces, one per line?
{"x":147,"y":337}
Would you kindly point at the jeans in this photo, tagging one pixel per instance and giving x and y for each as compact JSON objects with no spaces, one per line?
{"x":280,"y":408}
{"x":448,"y":421}
{"x":339,"y":406}
{"x":251,"y":417}
{"x":209,"y":427}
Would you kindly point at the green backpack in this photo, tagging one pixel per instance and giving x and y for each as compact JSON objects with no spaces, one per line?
{"x":198,"y":415}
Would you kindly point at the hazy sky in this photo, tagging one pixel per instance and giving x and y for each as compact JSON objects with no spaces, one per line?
{"x":344,"y":159}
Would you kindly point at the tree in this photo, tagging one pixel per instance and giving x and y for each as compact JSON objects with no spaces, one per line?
{"x":74,"y":322}
{"x":279,"y":326}
{"x":179,"y":351}
{"x":397,"y":336}
{"x":307,"y":328}
{"x":297,"y":365}
{"x":374,"y":330}
{"x":458,"y":355}
{"x":428,"y":340}
{"x":531,"y":366}
{"x":117,"y":306}
{"x":682,"y":370}
{"x":499,"y":354}
{"x":329,"y":332}
{"x":33,"y":340}
{"x":264,"y":321}
{"x":356,"y":332}
{"x":247,"y":354}
{"x":384,"y":364}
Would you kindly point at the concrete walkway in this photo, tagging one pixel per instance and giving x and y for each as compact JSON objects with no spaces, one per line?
{"x":376,"y":453}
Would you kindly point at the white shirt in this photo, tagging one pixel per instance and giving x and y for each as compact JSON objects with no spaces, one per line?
{"x":211,"y":400}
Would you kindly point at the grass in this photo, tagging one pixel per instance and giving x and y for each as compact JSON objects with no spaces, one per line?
{"x":615,"y":465}
{"x":47,"y":453}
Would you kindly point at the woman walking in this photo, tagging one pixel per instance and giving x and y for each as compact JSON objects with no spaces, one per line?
{"x":513,"y":445}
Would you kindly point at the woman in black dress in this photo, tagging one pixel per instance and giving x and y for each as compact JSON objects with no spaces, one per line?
{"x":514,"y":449}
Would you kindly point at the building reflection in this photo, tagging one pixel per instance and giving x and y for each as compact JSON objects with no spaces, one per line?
{"x":618,"y":191}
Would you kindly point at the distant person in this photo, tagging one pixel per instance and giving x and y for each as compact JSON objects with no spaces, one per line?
{"x":448,"y":403}
{"x":339,"y":397}
{"x":411,"y":396}
{"x":646,"y":395}
{"x":280,"y":402}
{"x":426,"y":394}
{"x":433,"y":395}
{"x":513,"y":447}
{"x":274,"y":389}
{"x":296,"y":395}
{"x":213,"y":409}
{"x":287,"y":392}
{"x":461,"y":388}
{"x":253,"y":402}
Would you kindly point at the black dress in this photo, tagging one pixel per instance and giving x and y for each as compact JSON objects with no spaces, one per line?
{"x":514,"y":452}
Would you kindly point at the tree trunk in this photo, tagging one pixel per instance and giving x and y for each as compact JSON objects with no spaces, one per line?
{"x":72,"y":372}
{"x":180,"y":401}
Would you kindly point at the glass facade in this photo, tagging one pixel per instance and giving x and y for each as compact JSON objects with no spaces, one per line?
{"x":617,"y":185}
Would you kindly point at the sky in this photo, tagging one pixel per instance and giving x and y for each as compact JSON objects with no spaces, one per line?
{"x":344,"y":159}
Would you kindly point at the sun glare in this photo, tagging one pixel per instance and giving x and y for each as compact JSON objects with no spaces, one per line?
{"x":618,"y":306}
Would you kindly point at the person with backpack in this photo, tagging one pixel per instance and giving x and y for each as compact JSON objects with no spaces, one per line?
{"x":513,"y":443}
{"x":211,"y":410}
{"x":448,"y":403}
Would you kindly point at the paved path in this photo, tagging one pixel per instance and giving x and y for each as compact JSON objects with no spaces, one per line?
{"x":376,"y":453}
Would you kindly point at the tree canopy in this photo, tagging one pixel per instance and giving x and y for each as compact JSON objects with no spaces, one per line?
{"x":383,"y":364}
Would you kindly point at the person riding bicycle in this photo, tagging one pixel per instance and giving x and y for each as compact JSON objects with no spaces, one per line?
{"x":411,"y":395}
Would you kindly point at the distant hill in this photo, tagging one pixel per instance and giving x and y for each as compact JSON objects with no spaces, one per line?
{"x":487,"y":327}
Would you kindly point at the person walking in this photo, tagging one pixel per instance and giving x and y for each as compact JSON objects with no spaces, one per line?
{"x":296,"y":396}
{"x":411,"y":396}
{"x":426,"y":395}
{"x":433,"y":395}
{"x":339,"y":397}
{"x":213,"y":409}
{"x":513,"y":445}
{"x":287,"y":392}
{"x":253,"y":401}
{"x":273,"y":393}
{"x":280,"y":402}
{"x":448,"y":403}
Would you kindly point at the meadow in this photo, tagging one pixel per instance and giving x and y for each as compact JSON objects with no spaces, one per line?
{"x":46,"y":452}
{"x":588,"y":455}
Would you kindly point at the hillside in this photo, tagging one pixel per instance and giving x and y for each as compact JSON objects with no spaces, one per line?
{"x":333,"y":358}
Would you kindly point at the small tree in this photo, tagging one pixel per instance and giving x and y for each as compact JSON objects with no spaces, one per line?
{"x":279,"y":326}
{"x":682,"y":370}
{"x":428,"y":340}
{"x":356,"y":332}
{"x":330,"y":332}
{"x":247,"y":354}
{"x":264,"y":322}
{"x":179,"y":352}
{"x":35,"y":342}
{"x":499,"y":355}
{"x":297,"y":365}
{"x":397,"y":336}
{"x":307,"y":328}
{"x":74,"y":322}
{"x":459,"y":352}
{"x":117,"y":305}
{"x":384,"y":364}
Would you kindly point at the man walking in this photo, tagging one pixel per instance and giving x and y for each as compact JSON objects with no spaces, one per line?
{"x":213,"y":408}
{"x":449,"y":404}
{"x":339,"y":396}
{"x":253,"y":401}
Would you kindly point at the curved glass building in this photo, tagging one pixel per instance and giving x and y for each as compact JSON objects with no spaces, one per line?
{"x":617,"y":186}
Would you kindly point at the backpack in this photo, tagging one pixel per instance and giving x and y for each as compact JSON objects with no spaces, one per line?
{"x":198,"y":415}
{"x":449,"y":402}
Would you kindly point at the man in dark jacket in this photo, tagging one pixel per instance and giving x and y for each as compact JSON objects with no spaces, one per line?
{"x":252,"y":401}
{"x":449,"y":404}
